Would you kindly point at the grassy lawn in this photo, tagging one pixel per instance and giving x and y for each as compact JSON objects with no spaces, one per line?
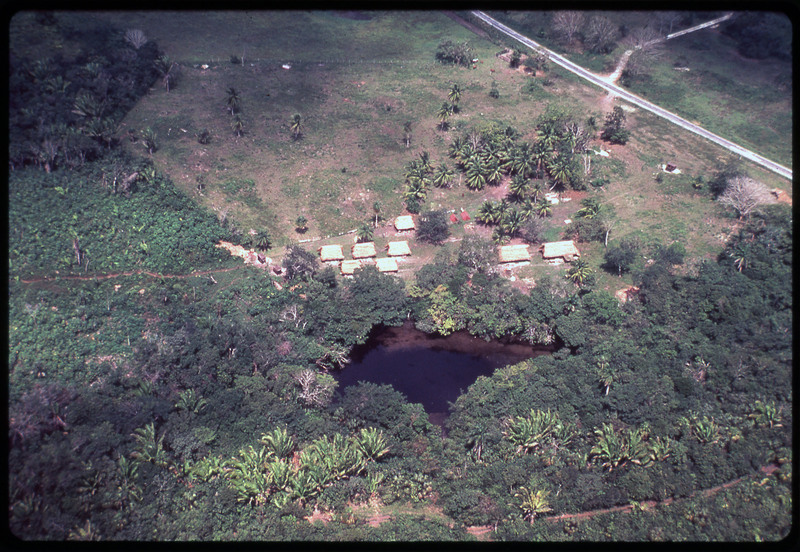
{"x":738,"y":98}
{"x":354,"y":96}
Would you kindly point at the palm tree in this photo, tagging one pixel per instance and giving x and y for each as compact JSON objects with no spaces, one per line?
{"x":444,"y":113}
{"x":296,"y":126}
{"x":376,"y":208}
{"x":407,"y":133}
{"x":518,"y":188}
{"x":740,"y":256}
{"x":263,"y":240}
{"x":559,"y":170}
{"x":443,"y":176}
{"x":543,"y":208}
{"x":605,"y":374}
{"x":476,"y":179}
{"x":168,"y":70}
{"x":454,"y":96}
{"x":494,"y":173}
{"x":486,"y":213}
{"x":528,"y":208}
{"x":149,"y":140}
{"x":591,"y":208}
{"x":512,"y":222}
{"x":536,"y":188}
{"x":415,"y":189}
{"x":365,"y":233}
{"x":233,"y":101}
{"x":534,"y":503}
{"x":578,"y":273}
{"x":237,"y":125}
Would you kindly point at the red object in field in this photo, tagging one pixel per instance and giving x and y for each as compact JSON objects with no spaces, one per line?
{"x":464,"y":215}
{"x":453,"y":218}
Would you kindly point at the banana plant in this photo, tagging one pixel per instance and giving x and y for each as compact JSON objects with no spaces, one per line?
{"x":534,"y":503}
{"x":190,"y":402}
{"x":279,"y":442}
{"x":150,"y":448}
{"x":371,"y":444}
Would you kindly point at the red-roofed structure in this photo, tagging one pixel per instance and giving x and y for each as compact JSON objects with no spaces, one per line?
{"x":464,"y":215}
{"x":453,"y":217}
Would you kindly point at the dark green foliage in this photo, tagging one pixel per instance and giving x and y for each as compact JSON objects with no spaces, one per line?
{"x":432,"y":227}
{"x":53,"y":91}
{"x":761,"y":35}
{"x":614,"y":130}
{"x":454,"y":53}
{"x":623,"y":255}
{"x":299,"y":264}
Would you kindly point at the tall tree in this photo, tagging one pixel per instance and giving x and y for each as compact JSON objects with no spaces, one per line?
{"x":566,"y":24}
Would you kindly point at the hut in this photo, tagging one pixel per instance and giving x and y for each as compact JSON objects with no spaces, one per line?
{"x":398,"y":248}
{"x":464,"y":216}
{"x":363,"y":250}
{"x":565,"y":250}
{"x":514,"y":253}
{"x":387,"y":264}
{"x":349,"y":267}
{"x":404,"y":222}
{"x":331,"y":253}
{"x":453,"y":218}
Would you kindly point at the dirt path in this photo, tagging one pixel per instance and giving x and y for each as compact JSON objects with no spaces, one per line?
{"x":129,"y":273}
{"x":768,"y":470}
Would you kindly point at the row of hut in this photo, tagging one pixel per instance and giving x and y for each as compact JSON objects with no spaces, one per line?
{"x":553,"y":252}
{"x":362,"y":253}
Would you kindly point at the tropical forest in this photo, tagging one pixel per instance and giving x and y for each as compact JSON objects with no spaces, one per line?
{"x":400,"y":276}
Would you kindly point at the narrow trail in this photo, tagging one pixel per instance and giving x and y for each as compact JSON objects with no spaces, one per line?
{"x":768,"y":470}
{"x":129,"y":273}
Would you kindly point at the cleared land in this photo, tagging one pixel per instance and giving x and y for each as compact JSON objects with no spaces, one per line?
{"x":355,"y":96}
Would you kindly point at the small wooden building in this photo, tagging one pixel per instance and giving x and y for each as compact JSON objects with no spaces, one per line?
{"x":404,"y":222}
{"x":398,"y":248}
{"x":363,"y":250}
{"x":514,"y":253}
{"x":349,"y":267}
{"x":464,"y":216}
{"x":453,"y":218}
{"x":386,"y":264}
{"x":561,"y":249}
{"x":331,"y":253}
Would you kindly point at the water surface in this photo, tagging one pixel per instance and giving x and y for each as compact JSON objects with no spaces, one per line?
{"x":427,"y":369}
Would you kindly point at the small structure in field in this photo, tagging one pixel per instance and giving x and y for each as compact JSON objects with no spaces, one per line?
{"x":330,"y":253}
{"x":453,"y":218}
{"x":349,"y":267}
{"x":363,"y":250}
{"x":386,"y":264}
{"x":404,"y":222}
{"x":464,"y":216}
{"x":514,"y":253}
{"x":398,"y":248}
{"x":560,"y":251}
{"x":670,"y":168}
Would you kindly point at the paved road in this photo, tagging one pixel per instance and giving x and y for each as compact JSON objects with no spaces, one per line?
{"x":605,"y":84}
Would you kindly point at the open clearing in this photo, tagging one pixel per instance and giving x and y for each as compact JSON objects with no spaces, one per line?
{"x":355,"y":95}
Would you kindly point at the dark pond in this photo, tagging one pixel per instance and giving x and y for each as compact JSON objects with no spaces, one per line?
{"x":427,"y":369}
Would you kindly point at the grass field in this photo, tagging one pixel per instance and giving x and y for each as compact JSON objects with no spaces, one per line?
{"x":743,"y":100}
{"x":356,"y":82}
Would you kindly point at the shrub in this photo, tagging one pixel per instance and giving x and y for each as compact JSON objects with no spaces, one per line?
{"x":433,"y":227}
{"x":457,"y":54}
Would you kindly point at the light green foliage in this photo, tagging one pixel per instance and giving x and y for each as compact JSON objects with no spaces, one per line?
{"x":540,"y":430}
{"x":150,"y":449}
